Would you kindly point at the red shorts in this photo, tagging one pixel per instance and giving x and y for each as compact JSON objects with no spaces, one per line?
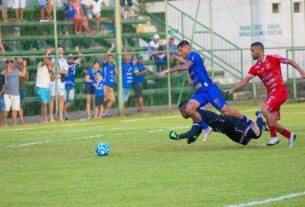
{"x":275,"y":100}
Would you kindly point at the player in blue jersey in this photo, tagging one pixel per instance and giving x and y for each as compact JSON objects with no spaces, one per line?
{"x":98,"y":84}
{"x":109,"y":74}
{"x":127,"y":77}
{"x":206,"y":90}
{"x":89,"y":88}
{"x":69,"y":80}
{"x":138,"y":79}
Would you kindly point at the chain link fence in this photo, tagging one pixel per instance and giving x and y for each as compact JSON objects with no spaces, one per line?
{"x":87,"y":29}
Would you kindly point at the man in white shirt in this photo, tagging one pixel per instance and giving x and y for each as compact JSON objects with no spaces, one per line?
{"x":153,"y":47}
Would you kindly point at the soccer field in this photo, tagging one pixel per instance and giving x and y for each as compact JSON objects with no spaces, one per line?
{"x":56,"y":165}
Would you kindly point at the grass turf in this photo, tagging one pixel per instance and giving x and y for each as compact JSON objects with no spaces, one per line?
{"x":55,"y":164}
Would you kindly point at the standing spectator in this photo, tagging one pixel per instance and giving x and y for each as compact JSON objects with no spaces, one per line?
{"x":161,"y":59}
{"x":3,"y":10}
{"x":153,"y":47}
{"x":2,"y":46}
{"x":127,"y":76}
{"x":11,"y":92}
{"x":70,"y":81}
{"x":58,"y":90}
{"x":89,"y":88}
{"x":99,"y":95}
{"x":46,"y":9}
{"x":70,"y":13}
{"x":19,"y":6}
{"x":109,"y":72}
{"x":173,"y":51}
{"x":138,"y":79}
{"x":42,"y":86}
{"x":123,"y":5}
{"x":2,"y":88}
{"x":22,"y":87}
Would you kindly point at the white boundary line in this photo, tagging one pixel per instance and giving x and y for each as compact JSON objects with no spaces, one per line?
{"x":269,"y":200}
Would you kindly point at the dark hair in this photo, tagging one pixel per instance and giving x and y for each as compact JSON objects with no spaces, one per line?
{"x":182,"y":103}
{"x":171,"y":38}
{"x":183,"y":43}
{"x":258,"y":44}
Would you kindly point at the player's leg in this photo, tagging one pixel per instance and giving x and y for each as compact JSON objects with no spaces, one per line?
{"x":271,"y":122}
{"x":191,"y":110}
{"x":286,"y":133}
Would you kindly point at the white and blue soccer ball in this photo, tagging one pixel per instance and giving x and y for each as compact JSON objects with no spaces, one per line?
{"x":102,"y":149}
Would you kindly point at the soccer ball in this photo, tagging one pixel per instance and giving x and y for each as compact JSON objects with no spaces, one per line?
{"x":102,"y":149}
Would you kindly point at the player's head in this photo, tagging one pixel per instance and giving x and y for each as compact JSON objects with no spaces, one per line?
{"x":257,"y":49}
{"x":184,"y":48}
{"x":182,"y":109}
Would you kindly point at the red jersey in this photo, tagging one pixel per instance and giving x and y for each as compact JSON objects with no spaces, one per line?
{"x":269,"y":72}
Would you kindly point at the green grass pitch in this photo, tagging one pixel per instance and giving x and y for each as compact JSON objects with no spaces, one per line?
{"x":56,"y":165}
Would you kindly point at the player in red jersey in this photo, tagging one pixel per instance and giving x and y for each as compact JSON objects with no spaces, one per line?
{"x":268,"y":69}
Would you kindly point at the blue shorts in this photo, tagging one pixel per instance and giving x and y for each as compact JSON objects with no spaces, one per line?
{"x":44,"y":94}
{"x":22,"y":97}
{"x":2,"y":104}
{"x":212,"y":96}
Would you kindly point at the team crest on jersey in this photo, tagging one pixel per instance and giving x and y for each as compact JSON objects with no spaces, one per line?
{"x":216,"y":101}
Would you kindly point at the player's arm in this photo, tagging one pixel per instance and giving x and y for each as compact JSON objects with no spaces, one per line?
{"x":178,"y":68}
{"x":296,"y":66}
{"x":239,"y":85}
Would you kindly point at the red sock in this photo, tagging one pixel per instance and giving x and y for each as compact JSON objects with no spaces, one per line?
{"x":272,"y":132}
{"x":286,"y":133}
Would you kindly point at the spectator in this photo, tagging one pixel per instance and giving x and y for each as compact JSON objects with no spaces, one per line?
{"x":11,"y":92}
{"x":70,"y":13}
{"x":98,"y":84}
{"x":79,"y":13}
{"x":89,"y":88}
{"x":3,"y":10}
{"x":129,"y":10}
{"x":2,"y":88}
{"x":42,"y":86}
{"x":161,"y":59}
{"x":153,"y":47}
{"x":58,"y":87}
{"x":173,"y":51}
{"x":69,"y":80}
{"x":109,"y":73}
{"x":19,"y":6}
{"x":138,"y":79}
{"x":127,"y":76}
{"x":22,"y":87}
{"x":2,"y":46}
{"x":93,"y":9}
{"x":46,"y":9}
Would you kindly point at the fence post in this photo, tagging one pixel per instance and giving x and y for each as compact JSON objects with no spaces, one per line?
{"x":167,"y":59}
{"x":56,"y":57}
{"x":252,"y":39}
{"x":118,"y":39}
{"x":292,"y":49}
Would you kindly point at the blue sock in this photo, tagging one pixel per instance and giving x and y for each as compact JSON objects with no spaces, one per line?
{"x":203,"y":125}
{"x":246,"y":120}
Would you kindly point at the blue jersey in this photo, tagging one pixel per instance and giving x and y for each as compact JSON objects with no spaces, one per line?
{"x":109,"y":74}
{"x":99,"y":88}
{"x":69,"y":79}
{"x":127,"y":73}
{"x":91,"y":73}
{"x":198,"y":73}
{"x":138,"y":68}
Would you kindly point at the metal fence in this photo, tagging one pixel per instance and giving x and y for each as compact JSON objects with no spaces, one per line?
{"x":131,"y":28}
